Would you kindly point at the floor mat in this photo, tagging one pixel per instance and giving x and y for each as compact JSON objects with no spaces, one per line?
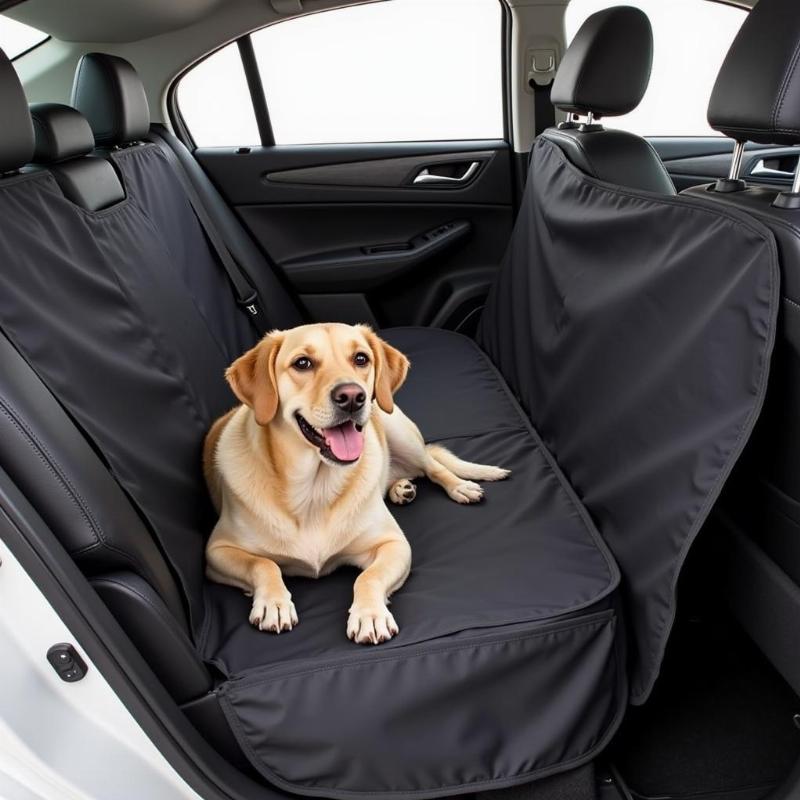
{"x":719,"y":723}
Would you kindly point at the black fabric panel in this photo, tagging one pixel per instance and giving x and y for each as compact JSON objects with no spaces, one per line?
{"x":496,"y":574}
{"x":637,"y":331}
{"x":92,"y":301}
{"x":615,"y":156}
{"x":151,"y":182}
{"x":493,"y":709}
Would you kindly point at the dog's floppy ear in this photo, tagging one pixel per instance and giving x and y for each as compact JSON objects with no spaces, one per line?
{"x":391,"y":368}
{"x":252,"y":377}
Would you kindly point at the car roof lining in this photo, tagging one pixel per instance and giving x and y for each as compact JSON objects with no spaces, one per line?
{"x":100,"y":21}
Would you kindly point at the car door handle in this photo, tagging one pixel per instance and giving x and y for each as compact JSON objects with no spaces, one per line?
{"x":426,"y":178}
{"x":763,"y":170}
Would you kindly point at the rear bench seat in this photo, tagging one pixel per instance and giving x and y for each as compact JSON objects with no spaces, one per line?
{"x":511,"y":603}
{"x":510,"y":662}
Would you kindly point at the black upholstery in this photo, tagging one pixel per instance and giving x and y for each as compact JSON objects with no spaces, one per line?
{"x":606,"y":68}
{"x":105,"y":82}
{"x":61,"y":133}
{"x":109,"y":93}
{"x":64,"y":140}
{"x":17,"y":128}
{"x":162,"y":641}
{"x":757,"y":94}
{"x":510,"y":662}
{"x":614,"y":156}
{"x":58,"y":471}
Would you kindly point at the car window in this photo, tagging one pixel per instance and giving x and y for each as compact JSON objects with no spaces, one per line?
{"x":408,"y":70}
{"x":17,"y":38}
{"x":691,"y":39}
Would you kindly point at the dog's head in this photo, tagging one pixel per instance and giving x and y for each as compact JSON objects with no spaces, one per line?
{"x":320,"y":380}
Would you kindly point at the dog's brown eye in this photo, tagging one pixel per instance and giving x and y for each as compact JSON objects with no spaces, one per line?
{"x":302,"y":363}
{"x":361,"y":359}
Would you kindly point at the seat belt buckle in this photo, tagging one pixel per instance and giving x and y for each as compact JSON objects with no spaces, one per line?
{"x":250,"y":304}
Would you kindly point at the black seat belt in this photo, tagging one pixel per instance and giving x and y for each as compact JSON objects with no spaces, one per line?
{"x":543,"y":109}
{"x":246,"y":294}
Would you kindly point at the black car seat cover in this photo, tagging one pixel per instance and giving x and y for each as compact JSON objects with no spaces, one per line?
{"x":637,"y":331}
{"x":629,"y":335}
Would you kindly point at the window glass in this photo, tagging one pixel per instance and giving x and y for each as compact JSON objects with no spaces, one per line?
{"x":691,"y":39}
{"x":16,"y":38}
{"x":215,"y":102}
{"x":403,"y":70}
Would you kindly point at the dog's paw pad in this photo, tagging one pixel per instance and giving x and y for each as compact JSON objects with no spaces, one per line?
{"x":402,"y":492}
{"x":371,"y":626}
{"x":467,"y":492}
{"x":274,"y":614}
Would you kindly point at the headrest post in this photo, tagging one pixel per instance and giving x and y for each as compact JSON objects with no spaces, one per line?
{"x":736,"y":161}
{"x":796,"y":181}
{"x":733,"y":183}
{"x":590,"y":118}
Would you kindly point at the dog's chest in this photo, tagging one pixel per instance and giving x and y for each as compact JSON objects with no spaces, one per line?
{"x":313,"y":552}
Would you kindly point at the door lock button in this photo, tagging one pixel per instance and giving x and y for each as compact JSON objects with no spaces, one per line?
{"x":66,"y":662}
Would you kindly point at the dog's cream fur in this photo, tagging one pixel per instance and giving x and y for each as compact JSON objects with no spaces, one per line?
{"x":286,"y":508}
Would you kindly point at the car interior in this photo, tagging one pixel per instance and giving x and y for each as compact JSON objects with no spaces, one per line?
{"x":613,"y":316}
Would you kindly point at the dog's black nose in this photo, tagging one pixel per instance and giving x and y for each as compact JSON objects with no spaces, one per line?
{"x":348,"y":396}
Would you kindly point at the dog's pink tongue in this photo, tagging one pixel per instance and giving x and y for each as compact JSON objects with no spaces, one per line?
{"x":345,"y":442}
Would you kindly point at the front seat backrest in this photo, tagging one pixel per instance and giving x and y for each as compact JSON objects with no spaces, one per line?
{"x":605,"y":73}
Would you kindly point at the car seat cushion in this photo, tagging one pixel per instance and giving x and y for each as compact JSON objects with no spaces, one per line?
{"x":510,"y":603}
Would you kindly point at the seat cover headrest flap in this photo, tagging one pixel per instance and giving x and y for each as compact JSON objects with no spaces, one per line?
{"x":61,"y":133}
{"x":757,"y":94}
{"x":109,"y":93}
{"x":16,"y":132}
{"x":606,"y":68}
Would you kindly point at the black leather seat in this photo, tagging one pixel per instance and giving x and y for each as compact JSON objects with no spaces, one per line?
{"x":757,"y":99}
{"x":605,"y":73}
{"x":64,"y":141}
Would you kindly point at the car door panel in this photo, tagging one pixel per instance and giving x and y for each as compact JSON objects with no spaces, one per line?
{"x":406,"y":233}
{"x":696,"y":160}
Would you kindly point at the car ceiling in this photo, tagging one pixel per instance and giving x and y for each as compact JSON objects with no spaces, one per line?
{"x":133,"y":20}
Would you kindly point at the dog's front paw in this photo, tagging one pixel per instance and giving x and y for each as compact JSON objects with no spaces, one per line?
{"x":402,"y":492}
{"x":466,"y":492}
{"x":273,"y":613}
{"x":371,"y":625}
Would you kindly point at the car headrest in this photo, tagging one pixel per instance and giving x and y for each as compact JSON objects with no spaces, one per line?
{"x":757,"y":94}
{"x":606,"y":68}
{"x":61,"y":133}
{"x":16,"y":134}
{"x":108,"y":91}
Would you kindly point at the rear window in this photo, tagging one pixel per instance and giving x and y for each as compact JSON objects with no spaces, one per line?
{"x":17,"y":38}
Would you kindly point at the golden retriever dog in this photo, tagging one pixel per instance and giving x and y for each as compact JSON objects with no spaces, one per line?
{"x":299,"y":471}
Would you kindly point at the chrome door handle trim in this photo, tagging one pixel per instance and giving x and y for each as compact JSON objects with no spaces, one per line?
{"x":761,"y":170}
{"x":424,"y":177}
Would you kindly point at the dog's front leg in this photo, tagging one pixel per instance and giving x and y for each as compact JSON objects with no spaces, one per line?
{"x":386,"y":568}
{"x":273,"y":609}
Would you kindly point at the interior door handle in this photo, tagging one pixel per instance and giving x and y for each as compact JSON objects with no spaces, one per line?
{"x":761,"y":170}
{"x":425,"y":177}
